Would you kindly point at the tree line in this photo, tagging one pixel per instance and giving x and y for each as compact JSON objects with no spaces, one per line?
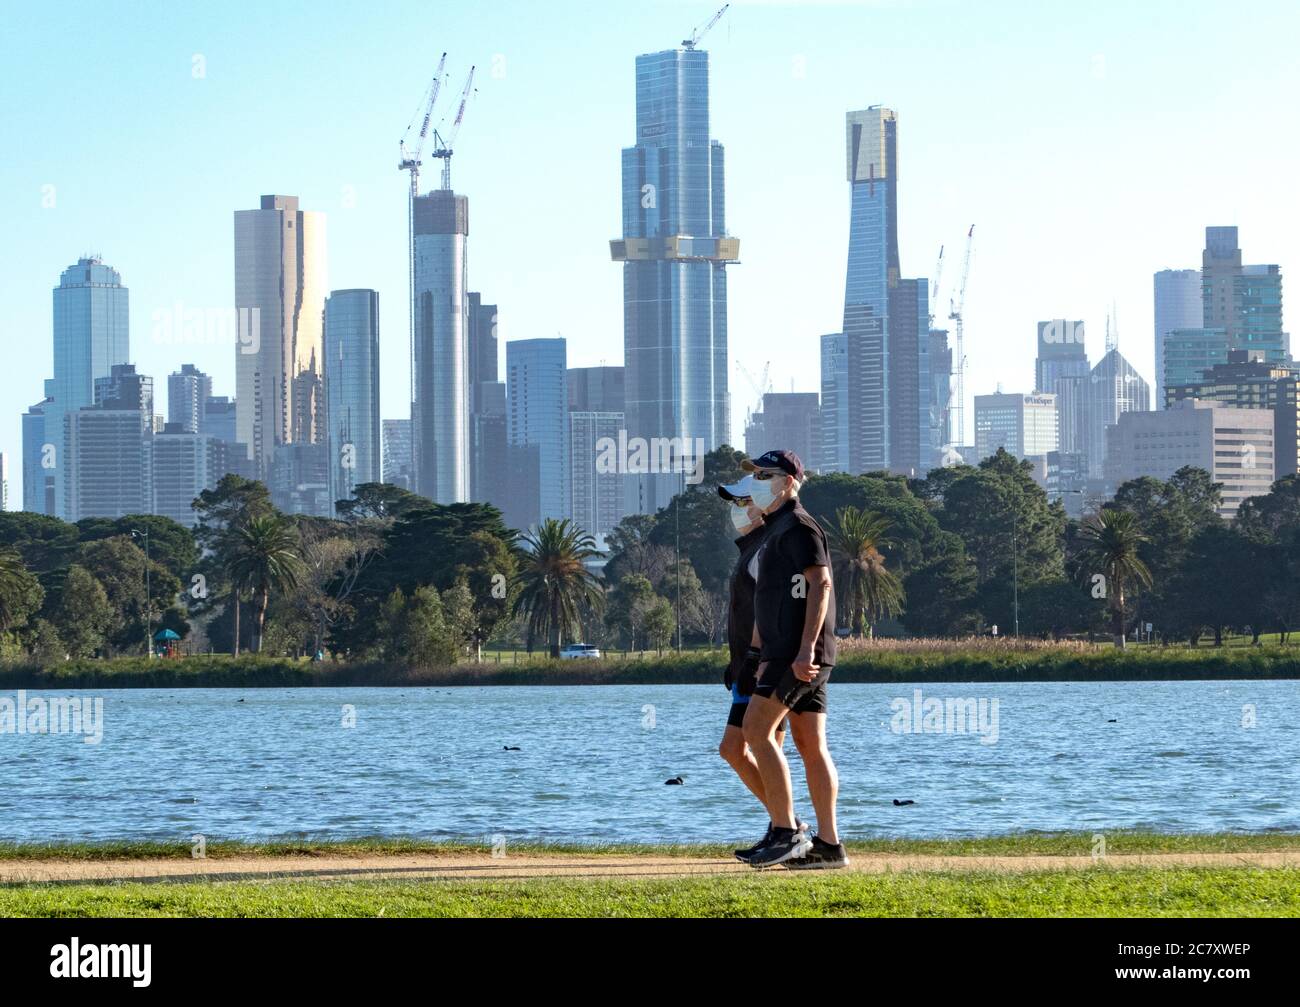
{"x":397,"y":578}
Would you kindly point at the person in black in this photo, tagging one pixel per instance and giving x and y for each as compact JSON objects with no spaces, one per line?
{"x":794,"y":629}
{"x":741,"y":674}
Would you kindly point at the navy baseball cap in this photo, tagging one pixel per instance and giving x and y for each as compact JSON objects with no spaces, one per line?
{"x":785,"y":462}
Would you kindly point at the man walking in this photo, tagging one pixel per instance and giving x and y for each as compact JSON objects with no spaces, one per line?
{"x":794,"y":629}
{"x":742,"y":669}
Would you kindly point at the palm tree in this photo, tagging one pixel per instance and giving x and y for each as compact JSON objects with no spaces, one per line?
{"x":264,"y":558}
{"x":871,"y":591}
{"x":555,"y":586}
{"x":1110,"y":541}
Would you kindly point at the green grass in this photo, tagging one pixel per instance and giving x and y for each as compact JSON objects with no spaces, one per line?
{"x":1101,"y":891}
{"x":1021,"y":844}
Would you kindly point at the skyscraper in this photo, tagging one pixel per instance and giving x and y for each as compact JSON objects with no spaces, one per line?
{"x":108,"y":449}
{"x":891,"y":423}
{"x":352,"y":390}
{"x":38,"y":479}
{"x":1244,"y":301}
{"x":873,"y":270}
{"x":280,"y":286}
{"x":1060,"y":370}
{"x":1177,"y":306}
{"x":834,"y":448}
{"x":595,"y":399}
{"x":188,"y":391}
{"x":184,"y":464}
{"x":483,"y":353}
{"x":440,"y":375}
{"x":537,"y":431}
{"x":788,"y":420}
{"x":91,"y":334}
{"x":674,"y":251}
{"x":397,"y":454}
{"x":1111,"y":389}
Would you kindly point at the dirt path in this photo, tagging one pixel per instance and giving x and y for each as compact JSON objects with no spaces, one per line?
{"x":482,"y":866}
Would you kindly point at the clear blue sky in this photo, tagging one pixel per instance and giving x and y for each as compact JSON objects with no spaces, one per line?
{"x":1089,"y":143}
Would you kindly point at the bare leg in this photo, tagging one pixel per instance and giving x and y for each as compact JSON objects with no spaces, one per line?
{"x":762,"y":719}
{"x":809,"y":733}
{"x":740,"y":758}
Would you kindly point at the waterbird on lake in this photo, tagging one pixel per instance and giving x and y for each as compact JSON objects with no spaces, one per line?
{"x":900,"y":804}
{"x":676,"y":781}
{"x":512,"y":748}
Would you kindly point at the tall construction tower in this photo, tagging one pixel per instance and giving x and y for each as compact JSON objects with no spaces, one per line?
{"x":956,"y":314}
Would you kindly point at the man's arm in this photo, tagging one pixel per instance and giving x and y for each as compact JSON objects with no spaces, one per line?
{"x":818,"y":580}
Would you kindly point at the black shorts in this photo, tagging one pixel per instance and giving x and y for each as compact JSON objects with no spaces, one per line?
{"x":778,"y":682}
{"x":736,"y":717}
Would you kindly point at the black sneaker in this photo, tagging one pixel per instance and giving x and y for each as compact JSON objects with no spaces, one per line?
{"x":785,"y":844}
{"x":822,"y":857}
{"x":744,"y":855}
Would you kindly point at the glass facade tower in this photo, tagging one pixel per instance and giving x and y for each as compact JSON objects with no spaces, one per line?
{"x":440,"y":353}
{"x":280,"y":286}
{"x":353,"y":430}
{"x":674,"y":252}
{"x":91,"y":334}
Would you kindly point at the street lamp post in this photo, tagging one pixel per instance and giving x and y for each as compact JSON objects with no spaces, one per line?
{"x":1015,"y":578}
{"x":148,"y":600}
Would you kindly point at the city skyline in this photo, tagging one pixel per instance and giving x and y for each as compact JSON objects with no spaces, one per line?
{"x":742,"y":50}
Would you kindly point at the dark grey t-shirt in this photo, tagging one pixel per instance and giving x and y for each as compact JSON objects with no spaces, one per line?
{"x":793,"y":543}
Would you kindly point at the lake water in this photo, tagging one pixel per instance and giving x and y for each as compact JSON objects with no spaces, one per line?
{"x":259,"y":763}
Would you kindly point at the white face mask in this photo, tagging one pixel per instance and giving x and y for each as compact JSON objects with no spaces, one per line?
{"x":740,"y":519}
{"x":765,"y":492}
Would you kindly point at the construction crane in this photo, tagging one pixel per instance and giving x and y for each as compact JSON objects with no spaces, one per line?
{"x":411,"y":156}
{"x":761,"y":388}
{"x":410,"y":161}
{"x":959,"y":351}
{"x":699,"y":33}
{"x":442,"y":148}
{"x":934,"y":284}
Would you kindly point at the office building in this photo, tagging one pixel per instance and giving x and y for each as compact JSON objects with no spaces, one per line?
{"x":184,"y":464}
{"x":1245,"y":301}
{"x":674,"y":249}
{"x":1189,"y":353}
{"x":1060,"y":369}
{"x":1235,"y":446}
{"x":1177,"y":306}
{"x":353,"y":434}
{"x":38,"y":479}
{"x":1246,"y":383}
{"x":537,"y":429}
{"x":941,"y":391}
{"x":397,"y":454}
{"x":91,"y":334}
{"x":280,"y":286}
{"x":1113,"y":387}
{"x":188,"y":391}
{"x":1023,"y":425}
{"x":440,"y":407}
{"x":788,"y":420}
{"x":834,"y":447}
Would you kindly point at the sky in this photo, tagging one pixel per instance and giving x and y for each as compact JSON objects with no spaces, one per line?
{"x":1089,"y":144}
